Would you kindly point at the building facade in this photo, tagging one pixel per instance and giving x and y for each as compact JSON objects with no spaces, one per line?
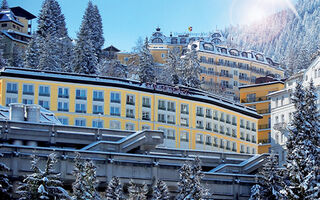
{"x":15,"y":31}
{"x":223,"y":69}
{"x":282,"y":107}
{"x":255,"y":96}
{"x":190,"y":118}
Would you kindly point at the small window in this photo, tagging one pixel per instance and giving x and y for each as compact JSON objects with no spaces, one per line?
{"x":12,"y":88}
{"x":146,"y":115}
{"x":4,"y":25}
{"x":98,"y":95}
{"x":130,"y":99}
{"x":97,"y":109}
{"x":115,"y":97}
{"x":115,"y":124}
{"x":11,"y":100}
{"x":81,"y":94}
{"x":63,"y":92}
{"x":63,"y":106}
{"x":27,"y":101}
{"x":44,"y":91}
{"x":81,"y":108}
{"x":114,"y":111}
{"x":146,"y":102}
{"x":130,"y":113}
{"x":184,"y":136}
{"x":80,"y":122}
{"x":98,"y":123}
{"x":44,"y":104}
{"x":184,"y":109}
{"x":146,"y":127}
{"x":28,"y":89}
{"x":130,"y":126}
{"x":161,"y":105}
{"x":64,"y":120}
{"x":199,"y":138}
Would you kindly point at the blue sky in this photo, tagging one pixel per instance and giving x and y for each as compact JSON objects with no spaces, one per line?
{"x":124,"y":21}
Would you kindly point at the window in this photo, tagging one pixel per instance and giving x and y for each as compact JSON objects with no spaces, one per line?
{"x":44,"y":104}
{"x":251,"y":97}
{"x":184,"y":109}
{"x":242,"y":135}
{"x":241,"y":148}
{"x":44,"y":91}
{"x":199,"y":138}
{"x":146,"y":127}
{"x":12,"y":88}
{"x":28,"y":89}
{"x":115,"y":124}
{"x":115,"y":111}
{"x":161,"y":105}
{"x":81,"y":94}
{"x":171,"y":119}
{"x":130,"y":99}
{"x":221,"y":129}
{"x":97,"y":123}
{"x":63,"y":106}
{"x":184,"y":121}
{"x":208,"y":140}
{"x":234,"y":121}
{"x":98,"y":95}
{"x":199,"y":124}
{"x":241,"y":123}
{"x":97,"y":109}
{"x":163,"y":55}
{"x":80,"y":122}
{"x":215,"y":141}
{"x":200,"y":111}
{"x":63,"y":120}
{"x":81,"y":108}
{"x":162,"y":118}
{"x":184,"y":136}
{"x":228,"y":145}
{"x":146,"y":115}
{"x":115,"y":97}
{"x":228,"y":119}
{"x":222,"y":117}
{"x":215,"y":116}
{"x":63,"y":92}
{"x":4,"y":25}
{"x":248,"y":150}
{"x":209,"y":126}
{"x":130,"y":113}
{"x":130,"y":126}
{"x":171,"y":134}
{"x":282,"y":118}
{"x":171,"y":106}
{"x":221,"y":144}
{"x":248,"y":125}
{"x":208,"y":113}
{"x":234,"y":146}
{"x":27,"y":101}
{"x":146,"y":102}
{"x":11,"y":100}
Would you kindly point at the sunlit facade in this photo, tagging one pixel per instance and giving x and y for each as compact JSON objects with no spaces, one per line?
{"x":190,"y":118}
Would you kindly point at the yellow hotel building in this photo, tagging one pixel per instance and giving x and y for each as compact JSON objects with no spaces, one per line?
{"x":190,"y":118}
{"x":223,"y":69}
{"x":255,"y":96}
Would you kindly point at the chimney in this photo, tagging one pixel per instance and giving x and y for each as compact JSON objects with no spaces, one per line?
{"x":33,"y":113}
{"x":16,"y":112}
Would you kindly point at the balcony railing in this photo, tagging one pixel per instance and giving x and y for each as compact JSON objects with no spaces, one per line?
{"x":264,"y":126}
{"x":264,"y":141}
{"x":280,"y":126}
{"x":265,"y":111}
{"x":254,"y":99}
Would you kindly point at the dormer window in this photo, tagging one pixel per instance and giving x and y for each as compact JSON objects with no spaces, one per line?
{"x":224,"y":50}
{"x":259,"y":57}
{"x":216,"y":41}
{"x":244,"y":54}
{"x":208,"y":46}
{"x":174,"y":40}
{"x":157,"y":40}
{"x":234,"y":52}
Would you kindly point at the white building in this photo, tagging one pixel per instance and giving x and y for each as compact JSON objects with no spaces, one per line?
{"x":282,"y":107}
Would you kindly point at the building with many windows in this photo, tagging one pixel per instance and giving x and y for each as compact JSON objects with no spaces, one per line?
{"x":190,"y":118}
{"x":223,"y":69}
{"x":255,"y":96}
{"x":282,"y":107}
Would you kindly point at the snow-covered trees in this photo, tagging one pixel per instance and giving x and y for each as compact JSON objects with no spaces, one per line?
{"x":160,"y":191}
{"x":42,"y":184}
{"x":173,"y":68}
{"x":144,"y":67}
{"x":114,"y":189}
{"x":84,"y":186}
{"x":5,"y":185}
{"x":86,"y":55}
{"x":137,"y":192}
{"x":302,"y":169}
{"x":190,"y":69}
{"x":3,"y":62}
{"x":190,"y":181}
{"x":269,"y":183}
{"x":97,"y":31}
{"x":4,"y":4}
{"x":51,"y":38}
{"x":111,"y":68}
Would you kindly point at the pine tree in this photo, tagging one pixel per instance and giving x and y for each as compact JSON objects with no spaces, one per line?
{"x":32,"y":53}
{"x":191,"y":70}
{"x":137,"y":192}
{"x":86,"y":58}
{"x":173,"y":67}
{"x":114,"y":189}
{"x":269,"y":182}
{"x":160,"y":191}
{"x":303,"y":147}
{"x":190,"y":181}
{"x":17,"y":57}
{"x":4,"y":4}
{"x":97,"y":31}
{"x":49,"y":57}
{"x":138,"y":46}
{"x":5,"y":185}
{"x":84,"y":187}
{"x":42,"y":184}
{"x":112,"y":68}
{"x":51,"y":28}
{"x":143,"y":68}
{"x":3,"y":62}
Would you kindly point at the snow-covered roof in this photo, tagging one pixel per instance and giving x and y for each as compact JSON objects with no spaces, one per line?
{"x":8,"y":33}
{"x":46,"y":116}
{"x":255,"y":56}
{"x":260,"y":84}
{"x":6,"y":15}
{"x":165,"y":89}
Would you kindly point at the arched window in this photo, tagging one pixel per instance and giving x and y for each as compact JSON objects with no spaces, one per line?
{"x":259,"y":57}
{"x":208,"y":46}
{"x":224,"y":50}
{"x":244,"y":54}
{"x":157,"y":40}
{"x":234,"y":52}
{"x":216,"y":35}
